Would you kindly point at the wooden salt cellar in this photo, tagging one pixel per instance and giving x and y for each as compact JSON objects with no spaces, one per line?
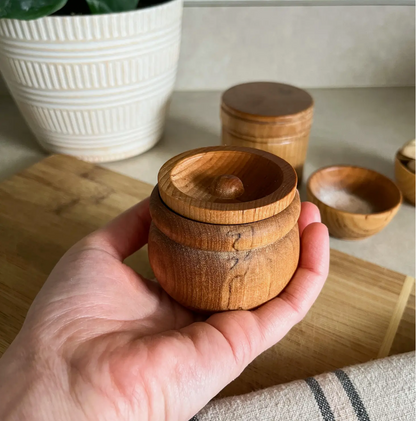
{"x":270,"y":116}
{"x":354,"y":202}
{"x":224,"y":233}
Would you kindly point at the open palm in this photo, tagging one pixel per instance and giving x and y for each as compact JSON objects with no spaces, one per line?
{"x":100,"y":342}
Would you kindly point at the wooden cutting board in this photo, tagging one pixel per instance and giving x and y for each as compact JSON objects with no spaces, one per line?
{"x":364,"y":311}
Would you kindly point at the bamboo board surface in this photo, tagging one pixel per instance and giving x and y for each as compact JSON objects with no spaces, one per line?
{"x":364,"y":311}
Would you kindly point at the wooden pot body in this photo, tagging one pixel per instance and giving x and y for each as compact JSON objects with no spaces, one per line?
{"x":285,"y":135}
{"x":405,"y":179}
{"x":209,"y":268}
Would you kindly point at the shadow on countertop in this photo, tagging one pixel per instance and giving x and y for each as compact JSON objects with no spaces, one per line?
{"x":18,"y":146}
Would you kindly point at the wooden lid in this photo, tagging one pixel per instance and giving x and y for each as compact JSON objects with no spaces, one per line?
{"x":227,"y":185}
{"x":266,"y":100}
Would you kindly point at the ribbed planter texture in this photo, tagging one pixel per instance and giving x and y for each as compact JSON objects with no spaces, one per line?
{"x":97,"y":86}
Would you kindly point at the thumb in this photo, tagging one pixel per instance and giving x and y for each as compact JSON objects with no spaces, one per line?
{"x":125,"y":234}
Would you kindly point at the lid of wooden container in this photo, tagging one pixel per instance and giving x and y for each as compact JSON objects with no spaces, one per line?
{"x":227,"y":184}
{"x":267,"y":101}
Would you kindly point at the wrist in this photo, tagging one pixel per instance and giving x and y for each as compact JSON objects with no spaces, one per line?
{"x":27,"y":387}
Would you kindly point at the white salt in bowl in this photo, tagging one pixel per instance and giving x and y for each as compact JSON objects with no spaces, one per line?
{"x":354,"y":202}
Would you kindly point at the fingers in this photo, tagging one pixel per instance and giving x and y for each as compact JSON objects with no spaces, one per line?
{"x":250,"y":333}
{"x":308,"y":215}
{"x":278,"y":316}
{"x":208,"y":355}
{"x":229,"y":341}
{"x":125,"y":234}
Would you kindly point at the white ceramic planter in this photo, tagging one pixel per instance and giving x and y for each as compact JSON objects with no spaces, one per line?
{"x":95,"y":86}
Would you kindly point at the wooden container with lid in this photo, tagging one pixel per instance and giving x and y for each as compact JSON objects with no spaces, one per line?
{"x":270,"y":116}
{"x":224,"y":233}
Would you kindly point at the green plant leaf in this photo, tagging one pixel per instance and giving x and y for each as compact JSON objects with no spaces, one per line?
{"x":110,"y":6}
{"x":29,"y":9}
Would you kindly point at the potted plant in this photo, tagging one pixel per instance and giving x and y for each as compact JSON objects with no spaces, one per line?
{"x":92,"y":78}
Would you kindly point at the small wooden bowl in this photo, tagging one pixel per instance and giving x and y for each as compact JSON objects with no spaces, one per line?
{"x":405,"y":179}
{"x":354,"y":202}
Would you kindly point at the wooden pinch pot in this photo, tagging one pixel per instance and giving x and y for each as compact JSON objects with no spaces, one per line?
{"x":224,"y":233}
{"x":354,"y":202}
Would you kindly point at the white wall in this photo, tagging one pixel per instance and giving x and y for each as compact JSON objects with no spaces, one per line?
{"x":320,"y":46}
{"x":315,"y":46}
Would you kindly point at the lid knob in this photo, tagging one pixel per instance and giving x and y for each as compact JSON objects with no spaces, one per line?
{"x":227,"y":187}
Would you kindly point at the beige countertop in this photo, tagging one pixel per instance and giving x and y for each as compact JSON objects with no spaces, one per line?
{"x":351,"y":126}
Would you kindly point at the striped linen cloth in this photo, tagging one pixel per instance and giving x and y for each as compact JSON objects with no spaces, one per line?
{"x":380,"y":390}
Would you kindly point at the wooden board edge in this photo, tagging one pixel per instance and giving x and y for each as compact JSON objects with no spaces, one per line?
{"x":396,"y":317}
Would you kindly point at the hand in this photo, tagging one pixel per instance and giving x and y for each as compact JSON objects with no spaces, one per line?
{"x":100,"y":342}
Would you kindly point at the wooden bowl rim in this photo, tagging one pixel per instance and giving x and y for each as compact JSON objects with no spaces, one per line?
{"x":389,"y":210}
{"x":404,"y":167}
{"x":223,"y":213}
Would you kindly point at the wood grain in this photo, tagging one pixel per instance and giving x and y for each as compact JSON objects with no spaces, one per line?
{"x":227,"y":187}
{"x":222,"y":238}
{"x":405,"y":179}
{"x":354,"y":202}
{"x":259,"y":131}
{"x":187,"y":180}
{"x":292,"y":149}
{"x":404,"y":341}
{"x":408,"y":286}
{"x":208,"y":267}
{"x":232,"y":191}
{"x":273,"y":117}
{"x":48,"y":207}
{"x":44,"y":211}
{"x":267,"y":101}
